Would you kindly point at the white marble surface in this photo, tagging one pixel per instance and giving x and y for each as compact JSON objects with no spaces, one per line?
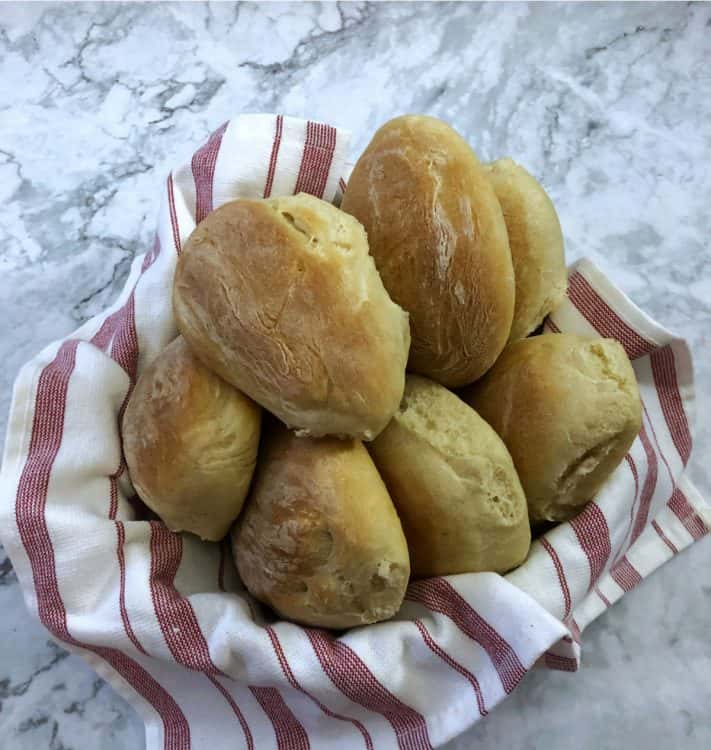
{"x":610,"y":105}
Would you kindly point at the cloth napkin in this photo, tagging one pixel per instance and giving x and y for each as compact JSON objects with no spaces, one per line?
{"x":163,"y":617}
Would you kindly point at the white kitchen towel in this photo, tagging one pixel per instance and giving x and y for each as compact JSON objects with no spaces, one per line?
{"x":164,"y":618}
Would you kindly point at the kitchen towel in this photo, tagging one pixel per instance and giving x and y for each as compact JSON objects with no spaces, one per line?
{"x":163,"y":617}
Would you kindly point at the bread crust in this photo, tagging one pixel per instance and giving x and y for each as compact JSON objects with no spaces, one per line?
{"x":190,"y":441}
{"x":536,"y":243}
{"x":319,"y":540}
{"x":281,"y":298}
{"x":453,"y":483}
{"x":568,"y":410}
{"x":438,"y":237}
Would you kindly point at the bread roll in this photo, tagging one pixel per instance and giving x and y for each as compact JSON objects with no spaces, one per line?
{"x":536,"y":243}
{"x":281,"y":299}
{"x":190,"y":442}
{"x":319,"y":540}
{"x":439,"y":241}
{"x":568,"y":409}
{"x":453,"y":483}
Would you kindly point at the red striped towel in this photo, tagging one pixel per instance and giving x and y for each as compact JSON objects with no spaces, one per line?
{"x":164,"y":618}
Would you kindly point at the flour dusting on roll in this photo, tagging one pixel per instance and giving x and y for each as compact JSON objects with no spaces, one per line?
{"x":453,"y":483}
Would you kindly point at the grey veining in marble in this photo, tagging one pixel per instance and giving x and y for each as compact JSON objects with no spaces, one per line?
{"x":610,"y":105}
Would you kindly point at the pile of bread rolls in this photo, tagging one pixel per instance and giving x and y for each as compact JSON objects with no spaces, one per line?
{"x":307,"y":407}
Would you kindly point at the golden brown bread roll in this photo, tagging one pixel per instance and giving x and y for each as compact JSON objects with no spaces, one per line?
{"x":536,"y":243}
{"x":453,"y":484}
{"x":439,"y":241}
{"x":568,"y":409}
{"x":281,"y":298}
{"x":319,"y":540}
{"x":190,"y":442}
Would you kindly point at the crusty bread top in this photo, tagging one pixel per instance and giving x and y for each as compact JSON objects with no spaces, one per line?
{"x":190,"y":441}
{"x":453,"y":483}
{"x":475,"y":453}
{"x":536,"y":243}
{"x":320,"y":540}
{"x":567,"y":408}
{"x":281,"y":298}
{"x":439,"y":240}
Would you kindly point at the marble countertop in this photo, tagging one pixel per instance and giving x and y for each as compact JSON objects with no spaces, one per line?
{"x":609,"y":105}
